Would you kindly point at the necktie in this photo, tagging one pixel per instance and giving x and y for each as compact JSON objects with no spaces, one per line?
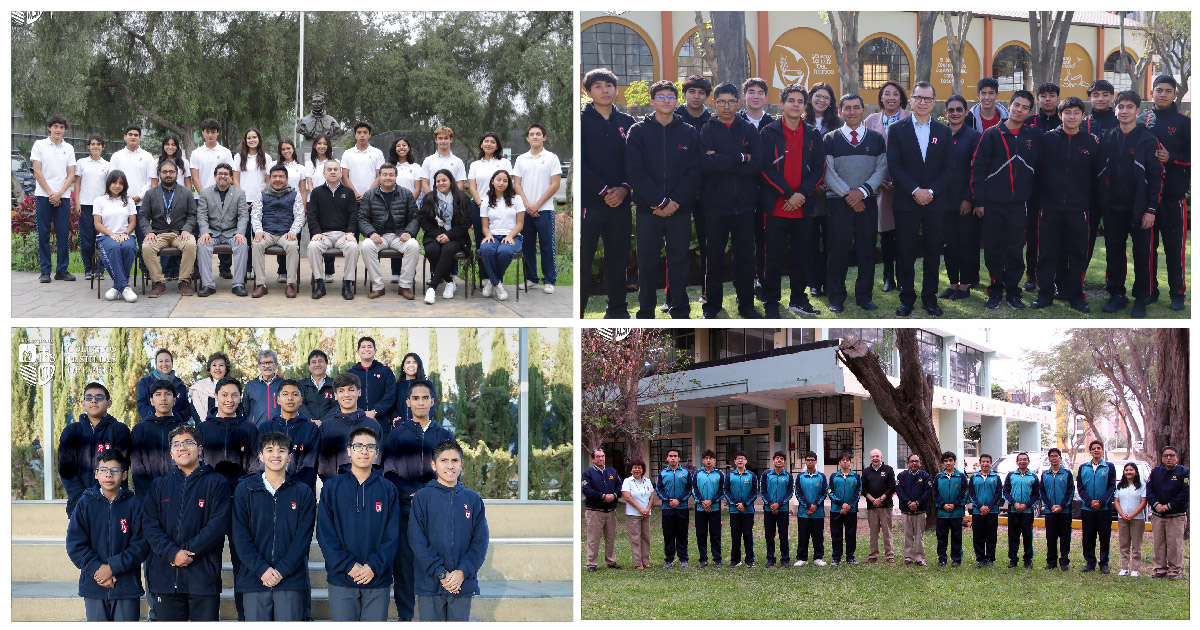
{"x":853,"y":137}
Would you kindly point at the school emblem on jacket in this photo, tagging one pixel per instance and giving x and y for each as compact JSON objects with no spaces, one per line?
{"x":467,"y":510}
{"x":1029,"y":144}
{"x":621,"y":130}
{"x":933,"y":140}
{"x":124,"y":526}
{"x":201,"y":501}
{"x":243,"y":448}
{"x":379,"y":506}
{"x":1171,"y":130}
{"x":682,"y":147}
{"x":293,"y":505}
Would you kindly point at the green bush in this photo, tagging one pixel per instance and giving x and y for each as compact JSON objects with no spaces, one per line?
{"x":494,"y":474}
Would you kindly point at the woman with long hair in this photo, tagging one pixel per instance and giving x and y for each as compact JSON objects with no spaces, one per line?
{"x":893,"y":107}
{"x":203,"y":392}
{"x":503,"y":214}
{"x":446,"y":230}
{"x":638,"y":492}
{"x":409,"y":175}
{"x":322,"y":151}
{"x":479,"y":176}
{"x":1130,"y":502}
{"x":114,"y":216}
{"x":171,"y":151}
{"x":250,"y":168}
{"x":91,"y":175}
{"x":821,"y":113}
{"x":411,"y":368}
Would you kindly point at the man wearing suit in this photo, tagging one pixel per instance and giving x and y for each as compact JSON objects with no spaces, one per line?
{"x":167,"y":217}
{"x":918,"y":152}
{"x":223,"y":216}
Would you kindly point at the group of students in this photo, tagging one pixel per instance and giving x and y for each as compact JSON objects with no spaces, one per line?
{"x":250,"y":202}
{"x":808,"y":193}
{"x":392,"y":511}
{"x":1164,"y":496}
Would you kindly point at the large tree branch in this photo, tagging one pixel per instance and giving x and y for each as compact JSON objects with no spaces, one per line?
{"x":153,"y":116}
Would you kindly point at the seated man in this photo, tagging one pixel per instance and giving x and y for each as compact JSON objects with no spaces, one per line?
{"x":167,"y":219}
{"x":222,"y":216}
{"x":277,"y":219}
{"x":388,"y":218}
{"x":331,"y":214}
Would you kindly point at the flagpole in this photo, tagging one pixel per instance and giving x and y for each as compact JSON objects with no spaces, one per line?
{"x":300,"y":90}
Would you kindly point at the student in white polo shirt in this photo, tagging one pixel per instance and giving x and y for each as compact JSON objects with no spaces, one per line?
{"x":361,"y":162}
{"x":250,"y":169}
{"x":138,"y":164}
{"x":536,"y":177}
{"x":444,"y":159}
{"x":205,"y":159}
{"x":479,"y":176}
{"x":90,"y":174}
{"x":54,"y":170}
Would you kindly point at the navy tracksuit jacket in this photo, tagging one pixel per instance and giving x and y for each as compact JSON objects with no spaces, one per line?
{"x":230,"y":447}
{"x":150,"y":452}
{"x":183,"y":404}
{"x":448,"y":531}
{"x":378,"y":391}
{"x":108,"y":532}
{"x":79,"y":446}
{"x":335,"y":438}
{"x":1169,"y":488}
{"x":306,"y":443}
{"x":187,"y":512}
{"x":273,"y":531}
{"x":407,"y":453}
{"x":358,"y":523}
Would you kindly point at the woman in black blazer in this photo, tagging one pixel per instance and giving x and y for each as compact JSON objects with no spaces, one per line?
{"x":445,"y":227}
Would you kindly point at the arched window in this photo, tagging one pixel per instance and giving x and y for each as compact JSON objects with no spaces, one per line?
{"x":881,"y":59}
{"x":690,"y":61}
{"x":1117,"y":75}
{"x":1012,"y":68}
{"x":618,"y":48}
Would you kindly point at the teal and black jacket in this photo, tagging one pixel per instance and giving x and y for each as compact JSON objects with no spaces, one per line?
{"x":950,"y":489}
{"x":985,"y":490}
{"x":741,"y":487}
{"x":708,"y":486}
{"x":811,"y":490}
{"x":1057,"y":488}
{"x":674,"y":484}
{"x":1096,"y":483}
{"x":1021,"y":488}
{"x":776,"y":487}
{"x":844,"y":489}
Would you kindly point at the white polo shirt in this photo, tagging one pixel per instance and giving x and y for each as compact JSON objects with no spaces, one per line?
{"x":113,"y":215}
{"x":482,"y":171}
{"x":437,"y":162}
{"x":363,"y":165}
{"x":55,"y":159}
{"x":139,"y":166}
{"x":296,"y":172}
{"x":205,"y":161}
{"x":503,"y":217}
{"x":409,"y":175}
{"x":316,"y":175}
{"x":535,"y":172}
{"x":252,"y":178}
{"x":91,"y":174}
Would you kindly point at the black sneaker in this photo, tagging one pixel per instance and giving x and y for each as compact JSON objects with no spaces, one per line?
{"x":1065,"y":567}
{"x":771,"y":311}
{"x":1029,"y":564}
{"x":703,"y":564}
{"x":591,"y":569}
{"x":868,"y":306}
{"x":708,"y":315}
{"x":980,"y":565}
{"x":803,"y":309}
{"x":1104,"y":569}
{"x":835,"y":563}
{"x":1088,"y":568}
{"x":44,"y":278}
{"x":994,"y":301}
{"x":945,"y":295}
{"x":64,"y":276}
{"x":836,"y":308}
{"x":1012,"y":564}
{"x":1116,"y":303}
{"x":1015,"y":302}
{"x":227,"y":274}
{"x":852,"y":563}
{"x":1029,"y":285}
{"x":770,"y":564}
{"x":749,"y":312}
{"x":1139,"y":309}
{"x":750,"y":563}
{"x":1081,"y":305}
{"x":1042,"y":302}
{"x":955,"y":563}
{"x":941,"y":563}
{"x":961,"y":294}
{"x":1177,"y":302}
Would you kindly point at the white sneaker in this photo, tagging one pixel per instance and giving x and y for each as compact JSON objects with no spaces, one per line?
{"x":549,"y":288}
{"x":1123,"y":572}
{"x":740,"y":564}
{"x":281,"y":278}
{"x":1133,"y":574}
{"x":328,"y":278}
{"x":819,"y":563}
{"x":448,"y":292}
{"x":530,"y":284}
{"x":129,"y":295}
{"x":111,"y":294}
{"x":800,"y":563}
{"x":430,"y":295}
{"x":501,"y":294}
{"x":487,"y":289}
{"x":395,"y":278}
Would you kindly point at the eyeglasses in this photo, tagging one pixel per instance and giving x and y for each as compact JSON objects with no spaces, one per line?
{"x":184,"y":444}
{"x":820,"y":96}
{"x":359,"y":448}
{"x":923,"y":99}
{"x":726,"y":103}
{"x":665,"y":98}
{"x":955,"y":110}
{"x":105,"y":472}
{"x":94,"y":398}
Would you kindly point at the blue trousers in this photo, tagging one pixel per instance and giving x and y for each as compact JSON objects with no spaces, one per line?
{"x":497,"y":256}
{"x":87,"y":237}
{"x":540,"y":229}
{"x":117,"y":258}
{"x":58,"y":218}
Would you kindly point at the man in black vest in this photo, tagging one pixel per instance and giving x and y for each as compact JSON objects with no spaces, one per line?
{"x":277,"y":219}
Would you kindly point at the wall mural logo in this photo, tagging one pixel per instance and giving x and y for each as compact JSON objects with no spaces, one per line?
{"x":791,"y":68}
{"x":36,"y":363}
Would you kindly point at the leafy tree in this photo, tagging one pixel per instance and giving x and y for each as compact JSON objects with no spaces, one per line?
{"x":1047,"y":42}
{"x":433,"y":370}
{"x":956,"y":43}
{"x":495,"y":408}
{"x":468,"y":379}
{"x":1169,"y":36}
{"x":537,"y":390}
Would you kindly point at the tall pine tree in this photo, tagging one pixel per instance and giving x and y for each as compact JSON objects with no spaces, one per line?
{"x":560,"y":428}
{"x":537,"y":390}
{"x":433,"y":371}
{"x":495,"y":405}
{"x":468,"y":381}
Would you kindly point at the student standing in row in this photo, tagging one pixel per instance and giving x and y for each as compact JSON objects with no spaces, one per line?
{"x":811,"y":490}
{"x":985,"y":493}
{"x":82,"y":442}
{"x":336,"y":429}
{"x":91,"y":182}
{"x":776,"y":487}
{"x":845,"y":486}
{"x":1130,"y":503}
{"x":54,"y":171}
{"x":741,"y":490}
{"x":1173,"y":130}
{"x":1021,"y":490}
{"x":1097,"y":481}
{"x":1057,"y":488}
{"x":950,"y":492}
{"x":361,"y":162}
{"x":479,"y":176}
{"x":304,"y":434}
{"x":708,"y":487}
{"x":536,"y":176}
{"x":674,"y":489}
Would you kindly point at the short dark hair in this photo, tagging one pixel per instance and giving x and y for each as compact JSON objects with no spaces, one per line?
{"x":757,"y":82}
{"x":597,"y":75}
{"x":421,"y":382}
{"x":1163,"y":450}
{"x":55,"y":119}
{"x":1054,"y":449}
{"x":223,"y":165}
{"x":360,"y":124}
{"x":228,"y":380}
{"x":277,"y":167}
{"x":533,"y":126}
{"x":985,"y":455}
{"x":113,"y":455}
{"x":136,"y":128}
{"x":163,"y":351}
{"x":214,"y":358}
{"x":362,"y":431}
{"x":779,"y":454}
{"x":638,"y":462}
{"x":697,"y":82}
{"x":210,"y":123}
{"x":1022,"y":453}
{"x":1072,"y":101}
{"x":388,"y":165}
{"x":708,"y":452}
{"x":362,"y":339}
{"x":851,"y":97}
{"x":171,"y":163}
{"x":274,"y":438}
{"x":810,"y":454}
{"x":926,"y":84}
{"x":1131,"y":96}
{"x":949,"y":455}
{"x":446,"y":445}
{"x":289,"y":381}
{"x":900,"y":88}
{"x":674,"y":450}
{"x":846,"y":455}
{"x":1025,"y":94}
{"x":317,"y":353}
{"x":740,"y":454}
{"x":161,"y":384}
{"x":346,"y":379}
{"x":97,"y":138}
{"x":1165,"y":78}
{"x":1100,"y":85}
{"x":663,"y":85}
{"x":596,"y":450}
{"x":95,"y":385}
{"x":181,"y":429}
{"x":1048,"y":87}
{"x":987,"y":82}
{"x":1094,"y":442}
{"x":783,"y":94}
{"x":726,"y":88}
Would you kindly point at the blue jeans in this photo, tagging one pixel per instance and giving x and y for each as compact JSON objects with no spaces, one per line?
{"x":87,"y":237}
{"x":497,"y":256}
{"x":60,"y":219}
{"x":117,"y":258}
{"x":540,"y":229}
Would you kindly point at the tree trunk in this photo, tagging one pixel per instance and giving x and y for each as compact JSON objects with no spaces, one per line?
{"x":926,"y":21}
{"x":956,"y":43}
{"x":704,"y":46}
{"x":843,"y":26}
{"x":1047,"y":44}
{"x":908,"y":407}
{"x":729,"y":31}
{"x":1172,"y":408}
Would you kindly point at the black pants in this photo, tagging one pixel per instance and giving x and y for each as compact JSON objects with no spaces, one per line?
{"x":675,"y":534}
{"x":441,"y":256}
{"x":1032,"y":238}
{"x":1061,"y":233}
{"x":777,"y":523}
{"x":1020,"y":528}
{"x":787,"y":240}
{"x":961,"y":233}
{"x":708,"y":530}
{"x":1096,"y":523}
{"x":741,"y":526}
{"x":614,"y":226}
{"x":930,"y":223}
{"x":818,"y":252}
{"x":950,"y":528}
{"x":843,"y":527}
{"x":983,"y":536}
{"x":760,"y":246}
{"x":701,"y":222}
{"x":1119,"y":227}
{"x":236,"y":561}
{"x":887,"y":251}
{"x":1094,"y":218}
{"x":1058,"y":538}
{"x":1171,"y":225}
{"x":846,"y":226}
{"x":810,"y":529}
{"x":184,"y":607}
{"x":653,"y":234}
{"x":1003,"y":241}
{"x":402,"y":573}
{"x":720,"y":229}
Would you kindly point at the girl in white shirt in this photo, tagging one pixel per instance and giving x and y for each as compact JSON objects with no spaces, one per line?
{"x":502,"y":218}
{"x":113,"y":215}
{"x":250,"y":166}
{"x":491,"y":159}
{"x":638,"y":492}
{"x":1130,"y":501}
{"x":90,"y":175}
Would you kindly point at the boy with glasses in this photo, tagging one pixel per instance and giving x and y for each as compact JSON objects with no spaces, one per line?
{"x":83,"y":441}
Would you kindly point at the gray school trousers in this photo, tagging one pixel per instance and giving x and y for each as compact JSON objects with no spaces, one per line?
{"x":273,"y":605}
{"x":359,"y":604}
{"x":443,"y":608}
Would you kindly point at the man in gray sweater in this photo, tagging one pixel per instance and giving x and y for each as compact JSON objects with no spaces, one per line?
{"x":223,"y":216}
{"x":855,"y":166}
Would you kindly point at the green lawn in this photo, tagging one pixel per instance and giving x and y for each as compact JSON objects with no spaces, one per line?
{"x":969,"y":308}
{"x":875,"y":591}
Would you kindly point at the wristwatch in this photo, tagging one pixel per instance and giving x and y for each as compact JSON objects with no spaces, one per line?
{"x":442,"y":575}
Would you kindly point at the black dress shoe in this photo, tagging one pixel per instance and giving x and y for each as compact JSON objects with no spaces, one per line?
{"x":771,"y":311}
{"x":961,"y":294}
{"x":749,"y":312}
{"x":888,"y":284}
{"x":318,"y":289}
{"x":946,"y":294}
{"x":1081,"y":305}
{"x":206,"y":291}
{"x":708,"y":315}
{"x":44,"y":278}
{"x":1177,"y":302}
{"x":904,"y":310}
{"x":347,"y":291}
{"x":868,"y":306}
{"x":836,"y":308}
{"x":1153,"y":297}
{"x":64,"y":276}
{"x":1029,"y":285}
{"x":240,"y":290}
{"x":1015,"y":302}
{"x":227,"y":274}
{"x":1115,"y":303}
{"x":933,"y":309}
{"x":994,"y":301}
{"x":1139,"y":309}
